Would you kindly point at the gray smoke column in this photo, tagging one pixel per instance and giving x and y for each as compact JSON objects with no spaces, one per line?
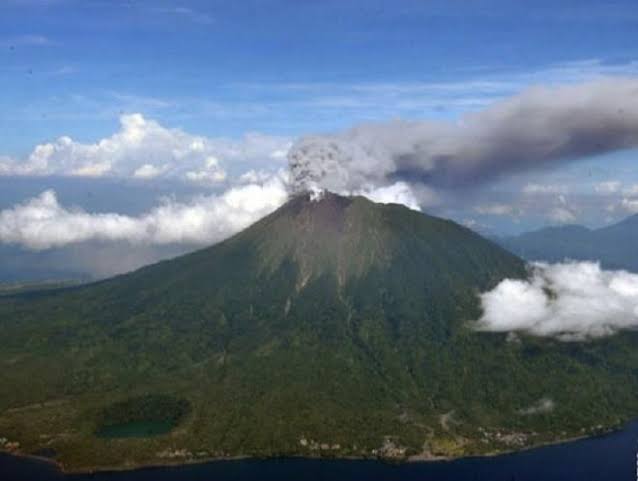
{"x":536,"y":128}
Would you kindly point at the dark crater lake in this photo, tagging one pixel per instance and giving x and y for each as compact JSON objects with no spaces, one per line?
{"x":610,"y":457}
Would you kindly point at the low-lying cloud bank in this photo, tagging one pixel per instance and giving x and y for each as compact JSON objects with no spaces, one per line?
{"x":538,"y":127}
{"x":569,"y":301}
{"x":42,"y":222}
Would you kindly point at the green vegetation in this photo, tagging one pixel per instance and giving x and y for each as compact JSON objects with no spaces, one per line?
{"x":330,"y":328}
{"x":135,"y":429}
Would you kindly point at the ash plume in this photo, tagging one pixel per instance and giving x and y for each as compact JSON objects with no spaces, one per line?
{"x":537,"y":128}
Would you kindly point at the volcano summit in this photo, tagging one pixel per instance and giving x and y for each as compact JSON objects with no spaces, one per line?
{"x":334,"y":327}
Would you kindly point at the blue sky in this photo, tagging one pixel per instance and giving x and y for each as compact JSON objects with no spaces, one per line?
{"x":223,"y":68}
{"x":221,"y":89}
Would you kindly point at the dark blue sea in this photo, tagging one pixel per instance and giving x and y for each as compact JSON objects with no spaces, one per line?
{"x":606,"y":458}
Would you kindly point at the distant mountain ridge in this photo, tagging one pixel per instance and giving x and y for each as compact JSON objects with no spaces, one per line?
{"x":615,"y":246}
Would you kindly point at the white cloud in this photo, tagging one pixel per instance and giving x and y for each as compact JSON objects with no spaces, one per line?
{"x":569,"y":301}
{"x":495,"y":209}
{"x":544,"y":189}
{"x":561,"y":215}
{"x":621,"y":197}
{"x":185,"y":13}
{"x":26,"y":40}
{"x":632,"y":190}
{"x":477,"y":226}
{"x":208,"y":173}
{"x":397,"y":193}
{"x":563,"y":212}
{"x":630,"y":205}
{"x":42,"y":223}
{"x":149,"y":171}
{"x":544,"y":405}
{"x":254,"y":176}
{"x":144,"y":149}
{"x":608,"y":187}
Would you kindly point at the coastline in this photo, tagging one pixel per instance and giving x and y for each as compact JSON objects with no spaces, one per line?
{"x":35,"y":457}
{"x":414,"y":459}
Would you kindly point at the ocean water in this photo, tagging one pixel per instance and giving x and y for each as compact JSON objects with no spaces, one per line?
{"x":610,"y":457}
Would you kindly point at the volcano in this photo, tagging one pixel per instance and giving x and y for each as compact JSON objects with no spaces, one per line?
{"x":332,"y":327}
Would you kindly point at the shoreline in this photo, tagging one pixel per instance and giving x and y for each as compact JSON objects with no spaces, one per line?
{"x":415,"y":459}
{"x":35,"y":457}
